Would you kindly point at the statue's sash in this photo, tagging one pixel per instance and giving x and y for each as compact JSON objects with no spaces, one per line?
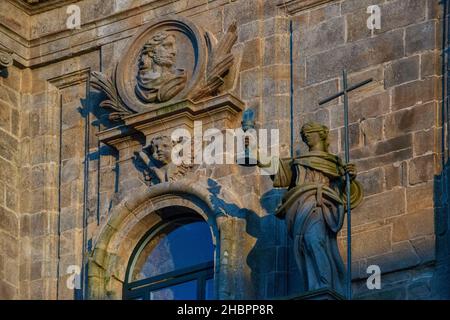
{"x":331,"y":166}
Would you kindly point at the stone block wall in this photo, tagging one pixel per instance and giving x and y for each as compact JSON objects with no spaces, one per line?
{"x":10,"y":102}
{"x":395,"y":126}
{"x":59,"y":183}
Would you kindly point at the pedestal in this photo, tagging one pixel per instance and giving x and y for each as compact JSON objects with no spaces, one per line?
{"x":321,"y":294}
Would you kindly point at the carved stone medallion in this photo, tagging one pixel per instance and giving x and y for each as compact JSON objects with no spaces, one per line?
{"x":167,"y":61}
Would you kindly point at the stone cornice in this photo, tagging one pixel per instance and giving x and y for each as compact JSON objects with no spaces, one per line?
{"x":58,"y":45}
{"x":295,"y":6}
{"x":55,"y":46}
{"x":32,"y":7}
{"x":71,"y":79}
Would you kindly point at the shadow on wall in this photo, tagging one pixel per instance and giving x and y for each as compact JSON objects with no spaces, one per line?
{"x":441,"y":281}
{"x":267,"y":258}
{"x":273,"y":273}
{"x":233,"y":284}
{"x":97,"y":119}
{"x":4,"y":73}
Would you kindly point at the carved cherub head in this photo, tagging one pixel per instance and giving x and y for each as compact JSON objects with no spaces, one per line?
{"x":315,"y":135}
{"x":160,"y":149}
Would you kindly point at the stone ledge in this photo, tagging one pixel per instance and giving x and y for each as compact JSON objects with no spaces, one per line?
{"x":320,"y":294}
{"x":296,"y":6}
{"x":32,"y":7}
{"x":223,"y":108}
{"x":33,"y":52}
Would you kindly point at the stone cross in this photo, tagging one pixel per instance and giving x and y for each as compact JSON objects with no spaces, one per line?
{"x":344,"y":92}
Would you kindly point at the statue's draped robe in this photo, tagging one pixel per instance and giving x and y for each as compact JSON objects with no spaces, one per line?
{"x":159,"y":86}
{"x":314,"y":209}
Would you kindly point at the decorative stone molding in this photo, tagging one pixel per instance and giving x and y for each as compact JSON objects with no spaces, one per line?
{"x":296,"y":6}
{"x":6,"y":59}
{"x":167,"y":61}
{"x":155,"y":158}
{"x":71,"y":79}
{"x":32,"y":7}
{"x":135,"y":214}
{"x":218,"y":112}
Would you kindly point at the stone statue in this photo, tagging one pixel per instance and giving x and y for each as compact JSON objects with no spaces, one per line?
{"x":157,"y":78}
{"x":314,"y":208}
{"x":157,"y":160}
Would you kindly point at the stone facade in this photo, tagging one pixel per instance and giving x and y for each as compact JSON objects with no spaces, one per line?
{"x":70,"y":196}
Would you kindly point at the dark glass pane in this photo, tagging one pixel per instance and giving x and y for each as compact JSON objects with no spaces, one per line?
{"x":209,"y":290}
{"x":183,"y":291}
{"x":178,"y":246}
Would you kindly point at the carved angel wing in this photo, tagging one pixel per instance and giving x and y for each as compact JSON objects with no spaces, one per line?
{"x":100,"y":82}
{"x":219,"y":63}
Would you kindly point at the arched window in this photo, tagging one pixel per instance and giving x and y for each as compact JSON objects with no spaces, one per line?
{"x":174,"y":261}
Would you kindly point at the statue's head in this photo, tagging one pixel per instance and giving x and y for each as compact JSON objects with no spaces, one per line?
{"x":161,"y":49}
{"x":315,"y":135}
{"x":161,"y":149}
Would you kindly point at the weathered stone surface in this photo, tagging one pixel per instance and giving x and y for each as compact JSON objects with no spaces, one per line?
{"x":385,"y":159}
{"x":276,"y":50}
{"x":395,"y":175}
{"x":321,"y":37}
{"x":420,"y":197}
{"x":372,"y":181}
{"x":275,"y":25}
{"x":413,"y":93}
{"x":251,"y":84}
{"x":395,"y":129}
{"x":326,"y":13}
{"x":251,"y":57}
{"x":8,"y":222}
{"x":421,"y":37}
{"x":242,"y":12}
{"x":393,"y":14}
{"x":419,"y":290}
{"x":352,"y":5}
{"x":309,"y":97}
{"x":354,"y":134}
{"x":380,"y":206}
{"x":249,"y":31}
{"x":425,"y":141}
{"x":413,"y":225}
{"x":430,"y":63}
{"x":5,"y":116}
{"x":402,"y":256}
{"x":353,"y":57}
{"x":371,"y":243}
{"x":7,"y":291}
{"x":401,"y":71}
{"x":8,"y":147}
{"x":425,"y":247}
{"x":371,"y":130}
{"x":383,"y":147}
{"x":276,"y":80}
{"x":421,"y":169}
{"x":417,"y":118}
{"x":365,"y":108}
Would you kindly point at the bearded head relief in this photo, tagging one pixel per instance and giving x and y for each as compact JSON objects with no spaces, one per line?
{"x":157,"y":79}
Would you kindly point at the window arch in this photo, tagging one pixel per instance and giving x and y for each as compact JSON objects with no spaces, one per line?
{"x":173,"y":261}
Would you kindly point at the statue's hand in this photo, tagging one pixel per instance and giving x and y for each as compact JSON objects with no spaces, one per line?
{"x":350,"y":168}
